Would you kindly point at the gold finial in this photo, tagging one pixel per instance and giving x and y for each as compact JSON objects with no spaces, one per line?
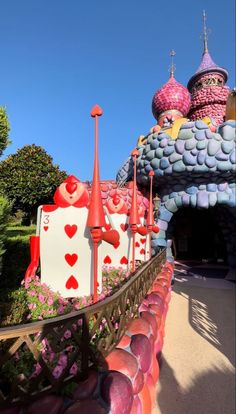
{"x":205,"y":35}
{"x":172,"y":65}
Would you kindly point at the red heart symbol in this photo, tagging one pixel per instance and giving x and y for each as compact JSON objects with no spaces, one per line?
{"x":70,"y":230}
{"x":124,"y":260}
{"x":137,"y":244}
{"x":107,"y":260}
{"x":142,"y":241}
{"x":107,"y":227}
{"x":116,"y":245}
{"x":71,"y":187}
{"x":124,"y":227}
{"x":96,"y":111}
{"x":116,"y":199}
{"x":155,"y":229}
{"x":72,"y":283}
{"x":45,"y":228}
{"x":71,"y":258}
{"x":49,"y":207}
{"x":142,"y":251}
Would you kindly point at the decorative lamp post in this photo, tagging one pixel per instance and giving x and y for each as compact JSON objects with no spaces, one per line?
{"x":96,"y":217}
{"x":150,"y":219}
{"x":134,"y":216}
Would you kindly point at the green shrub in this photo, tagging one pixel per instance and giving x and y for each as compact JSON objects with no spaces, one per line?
{"x":13,"y":306}
{"x":17,"y":256}
{"x":4,"y":216}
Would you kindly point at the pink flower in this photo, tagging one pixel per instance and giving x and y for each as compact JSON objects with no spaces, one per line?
{"x":57,"y":371}
{"x":60,"y":310}
{"x":50,"y":301}
{"x":62,"y":360}
{"x":41,"y":298}
{"x":67,"y":334}
{"x":32,"y":306}
{"x":37,"y":370}
{"x":73,"y":369}
{"x":32,"y":293}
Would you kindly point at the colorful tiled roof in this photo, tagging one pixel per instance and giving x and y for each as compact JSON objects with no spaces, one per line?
{"x":207,"y":65}
{"x":170,"y":96}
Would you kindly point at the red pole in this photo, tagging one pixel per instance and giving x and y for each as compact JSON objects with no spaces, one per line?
{"x":96,"y":218}
{"x":150,"y":220}
{"x":134,"y":216}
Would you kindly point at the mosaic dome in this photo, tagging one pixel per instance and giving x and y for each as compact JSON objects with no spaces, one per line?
{"x":171,"y":96}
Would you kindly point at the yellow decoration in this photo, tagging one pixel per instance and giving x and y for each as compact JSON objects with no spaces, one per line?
{"x":174,"y":130}
{"x":141,"y":140}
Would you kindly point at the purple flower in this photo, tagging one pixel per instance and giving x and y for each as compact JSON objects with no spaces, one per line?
{"x":60,"y":310}
{"x":73,"y":369}
{"x":67,"y":334}
{"x":62,"y":360}
{"x":57,"y":371}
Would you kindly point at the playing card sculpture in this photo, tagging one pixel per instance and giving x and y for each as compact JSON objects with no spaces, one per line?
{"x":118,"y":206}
{"x":68,"y":234}
{"x":127,"y":208}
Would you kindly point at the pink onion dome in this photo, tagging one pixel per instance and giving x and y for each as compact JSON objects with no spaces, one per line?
{"x":171,"y":96}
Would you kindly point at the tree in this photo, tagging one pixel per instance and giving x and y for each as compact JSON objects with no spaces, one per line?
{"x":29,"y":178}
{"x":4,"y":130}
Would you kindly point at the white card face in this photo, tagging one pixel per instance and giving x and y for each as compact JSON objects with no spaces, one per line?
{"x":122,"y":255}
{"x":66,"y":252}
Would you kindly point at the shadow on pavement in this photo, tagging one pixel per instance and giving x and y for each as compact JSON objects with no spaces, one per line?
{"x":203,"y":395}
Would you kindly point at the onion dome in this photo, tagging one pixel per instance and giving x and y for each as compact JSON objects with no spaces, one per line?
{"x":171,"y":96}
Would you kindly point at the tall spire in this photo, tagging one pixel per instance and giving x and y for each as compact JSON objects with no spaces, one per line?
{"x":172,"y":65}
{"x":205,"y":34}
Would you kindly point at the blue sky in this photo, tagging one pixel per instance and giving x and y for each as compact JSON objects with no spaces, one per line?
{"x":60,"y":57}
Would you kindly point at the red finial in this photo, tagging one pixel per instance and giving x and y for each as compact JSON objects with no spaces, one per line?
{"x":96,"y":111}
{"x":135,"y":153}
{"x":96,"y":216}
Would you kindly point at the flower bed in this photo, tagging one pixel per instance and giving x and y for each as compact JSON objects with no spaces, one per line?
{"x":37,"y":301}
{"x":125,"y":383}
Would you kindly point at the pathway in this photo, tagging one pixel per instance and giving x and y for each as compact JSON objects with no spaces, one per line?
{"x":197,"y":372}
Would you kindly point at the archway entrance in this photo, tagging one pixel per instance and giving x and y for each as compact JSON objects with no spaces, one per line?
{"x":197,"y":235}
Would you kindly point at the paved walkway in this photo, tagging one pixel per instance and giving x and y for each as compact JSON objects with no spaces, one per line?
{"x":197,"y":373}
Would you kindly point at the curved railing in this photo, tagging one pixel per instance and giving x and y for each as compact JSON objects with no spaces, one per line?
{"x":39,"y":357}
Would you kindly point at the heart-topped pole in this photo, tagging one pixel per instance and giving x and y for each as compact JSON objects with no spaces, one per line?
{"x":150,"y":218}
{"x":96,"y":217}
{"x":134,"y":216}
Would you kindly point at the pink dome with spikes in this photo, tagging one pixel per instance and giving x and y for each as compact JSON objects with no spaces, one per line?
{"x":171,"y":96}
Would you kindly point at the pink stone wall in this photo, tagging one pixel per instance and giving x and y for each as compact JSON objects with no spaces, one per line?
{"x":209,"y":101}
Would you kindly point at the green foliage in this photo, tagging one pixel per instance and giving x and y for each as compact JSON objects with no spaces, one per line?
{"x":14,"y":309}
{"x":17,"y":256}
{"x":29,"y":178}
{"x":4,"y":216}
{"x":4,"y":130}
